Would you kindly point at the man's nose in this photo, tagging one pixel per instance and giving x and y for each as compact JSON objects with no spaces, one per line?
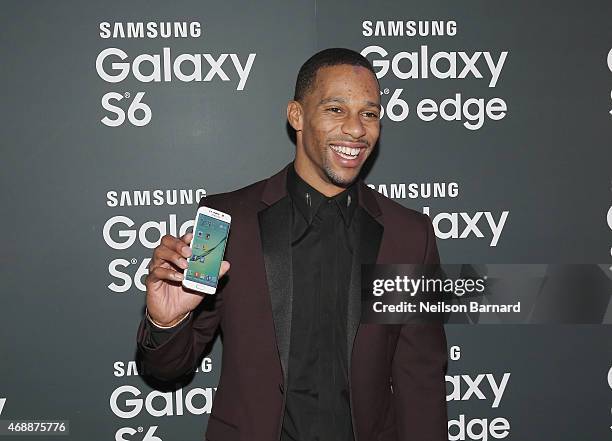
{"x":354,"y":126}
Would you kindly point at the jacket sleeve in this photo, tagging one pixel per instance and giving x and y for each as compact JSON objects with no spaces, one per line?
{"x":157,"y":335}
{"x":418,"y":372}
{"x":181,"y":348}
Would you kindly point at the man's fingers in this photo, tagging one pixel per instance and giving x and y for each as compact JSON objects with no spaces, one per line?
{"x":176,"y":244}
{"x":163,"y":254}
{"x":225,"y":266}
{"x":158,"y":273}
{"x":182,"y":248}
{"x":187,"y":238}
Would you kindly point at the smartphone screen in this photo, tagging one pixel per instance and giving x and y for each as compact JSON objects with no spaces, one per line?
{"x":208,"y":246}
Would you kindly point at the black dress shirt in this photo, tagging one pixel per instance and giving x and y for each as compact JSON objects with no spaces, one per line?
{"x":317,"y":404}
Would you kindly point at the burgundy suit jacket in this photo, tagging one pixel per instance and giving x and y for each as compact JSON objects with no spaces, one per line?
{"x":396,"y":372}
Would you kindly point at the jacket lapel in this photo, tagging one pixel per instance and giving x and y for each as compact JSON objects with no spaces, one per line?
{"x":369,"y":236}
{"x":275,"y":231}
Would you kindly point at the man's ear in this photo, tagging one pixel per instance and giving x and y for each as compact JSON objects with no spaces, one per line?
{"x":294,"y":115}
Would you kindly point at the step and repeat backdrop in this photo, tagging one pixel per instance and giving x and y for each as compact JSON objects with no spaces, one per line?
{"x":118,"y":117}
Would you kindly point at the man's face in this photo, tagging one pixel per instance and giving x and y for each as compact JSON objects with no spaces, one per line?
{"x":338,"y":125}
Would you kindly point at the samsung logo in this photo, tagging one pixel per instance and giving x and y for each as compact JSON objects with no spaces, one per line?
{"x":138,"y":198}
{"x":414,"y":190}
{"x":410,"y":28}
{"x":151,"y":29}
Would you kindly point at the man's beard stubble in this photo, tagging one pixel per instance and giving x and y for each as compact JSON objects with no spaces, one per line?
{"x":334,"y":178}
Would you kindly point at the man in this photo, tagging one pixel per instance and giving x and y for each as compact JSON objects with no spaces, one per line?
{"x":297,"y":364}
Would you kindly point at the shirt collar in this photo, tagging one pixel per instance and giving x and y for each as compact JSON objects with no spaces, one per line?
{"x":307,"y":199}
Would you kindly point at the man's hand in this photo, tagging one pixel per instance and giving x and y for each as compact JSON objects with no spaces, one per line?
{"x":167,"y":300}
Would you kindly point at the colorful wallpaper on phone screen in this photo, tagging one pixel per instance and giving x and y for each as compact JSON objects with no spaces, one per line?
{"x":208,"y":246}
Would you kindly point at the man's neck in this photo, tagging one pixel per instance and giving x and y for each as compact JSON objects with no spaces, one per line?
{"x":315,"y":180}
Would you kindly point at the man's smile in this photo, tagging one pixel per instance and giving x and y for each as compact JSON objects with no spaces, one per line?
{"x":349,"y":152}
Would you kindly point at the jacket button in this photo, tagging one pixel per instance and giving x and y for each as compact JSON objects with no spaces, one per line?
{"x":281,"y":388}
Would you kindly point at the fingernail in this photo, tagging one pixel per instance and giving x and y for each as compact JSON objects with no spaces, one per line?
{"x":187,"y":250}
{"x":183,"y":263}
{"x":179,"y":276}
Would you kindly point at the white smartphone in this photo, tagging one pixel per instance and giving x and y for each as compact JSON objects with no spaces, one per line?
{"x":210,"y":232}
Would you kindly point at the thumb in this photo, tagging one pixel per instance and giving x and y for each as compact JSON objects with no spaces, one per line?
{"x":225,"y":266}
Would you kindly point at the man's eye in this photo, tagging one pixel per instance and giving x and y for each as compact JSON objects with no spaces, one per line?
{"x":372,"y":114}
{"x":333,"y":109}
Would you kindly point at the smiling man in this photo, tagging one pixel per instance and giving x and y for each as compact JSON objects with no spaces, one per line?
{"x":335,"y":113}
{"x":297,"y":364}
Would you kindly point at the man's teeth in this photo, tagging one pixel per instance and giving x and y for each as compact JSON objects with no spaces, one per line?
{"x":345,"y":152}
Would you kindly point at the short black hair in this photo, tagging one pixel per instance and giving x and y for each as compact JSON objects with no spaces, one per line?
{"x":327,"y":57}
